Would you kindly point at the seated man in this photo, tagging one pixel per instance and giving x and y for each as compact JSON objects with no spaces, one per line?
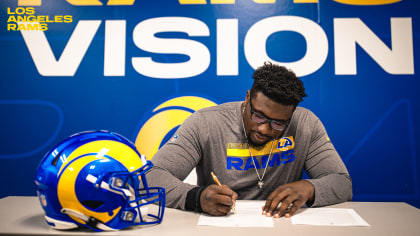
{"x":258,"y":149}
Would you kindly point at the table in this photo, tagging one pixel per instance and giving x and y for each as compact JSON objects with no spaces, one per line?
{"x":24,"y":216}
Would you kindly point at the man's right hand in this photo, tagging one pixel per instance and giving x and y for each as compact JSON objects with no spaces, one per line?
{"x":217,"y":200}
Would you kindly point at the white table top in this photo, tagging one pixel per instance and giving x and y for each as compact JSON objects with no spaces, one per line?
{"x":24,"y":216}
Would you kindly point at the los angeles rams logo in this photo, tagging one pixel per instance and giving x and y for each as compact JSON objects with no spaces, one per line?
{"x":167,"y":117}
{"x":82,"y":157}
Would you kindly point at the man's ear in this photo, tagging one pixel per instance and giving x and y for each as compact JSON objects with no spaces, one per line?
{"x":246,"y":101}
{"x":248,"y":94}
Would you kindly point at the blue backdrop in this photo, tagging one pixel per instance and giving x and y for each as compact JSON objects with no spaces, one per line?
{"x":111,"y":64}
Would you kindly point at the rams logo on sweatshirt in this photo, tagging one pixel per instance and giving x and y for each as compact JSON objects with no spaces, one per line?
{"x":239,"y":157}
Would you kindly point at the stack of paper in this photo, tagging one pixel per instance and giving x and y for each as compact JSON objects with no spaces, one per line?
{"x":248,"y":214}
{"x":328,"y":216}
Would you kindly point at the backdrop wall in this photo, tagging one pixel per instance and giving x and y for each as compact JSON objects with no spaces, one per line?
{"x":139,"y":68}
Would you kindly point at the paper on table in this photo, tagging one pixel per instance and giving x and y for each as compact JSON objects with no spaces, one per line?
{"x":248,"y":214}
{"x":328,"y":216}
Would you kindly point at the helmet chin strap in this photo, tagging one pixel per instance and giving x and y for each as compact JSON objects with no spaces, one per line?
{"x":141,"y":211}
{"x":90,"y":221}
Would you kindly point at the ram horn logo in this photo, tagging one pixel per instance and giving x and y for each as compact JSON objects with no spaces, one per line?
{"x":167,"y":117}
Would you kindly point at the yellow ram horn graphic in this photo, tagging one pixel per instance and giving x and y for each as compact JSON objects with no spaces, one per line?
{"x":159,"y":125}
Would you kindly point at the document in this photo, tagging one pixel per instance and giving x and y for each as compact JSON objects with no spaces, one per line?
{"x":328,"y":216}
{"x":248,"y":214}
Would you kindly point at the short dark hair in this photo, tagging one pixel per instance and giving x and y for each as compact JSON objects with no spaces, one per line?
{"x":279,"y":84}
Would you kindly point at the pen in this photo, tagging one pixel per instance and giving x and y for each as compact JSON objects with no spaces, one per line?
{"x":216,"y":180}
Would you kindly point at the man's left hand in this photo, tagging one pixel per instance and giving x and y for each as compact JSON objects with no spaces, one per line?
{"x":288,"y":198}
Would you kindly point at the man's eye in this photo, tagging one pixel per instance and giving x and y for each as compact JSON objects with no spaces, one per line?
{"x":260,"y":116}
{"x":278,"y":124}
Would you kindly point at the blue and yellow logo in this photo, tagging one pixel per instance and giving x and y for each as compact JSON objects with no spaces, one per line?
{"x":167,"y":117}
{"x":82,"y":157}
{"x":239,"y":156}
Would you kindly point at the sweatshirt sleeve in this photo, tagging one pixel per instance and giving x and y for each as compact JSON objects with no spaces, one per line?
{"x":328,"y":174}
{"x":175,"y":160}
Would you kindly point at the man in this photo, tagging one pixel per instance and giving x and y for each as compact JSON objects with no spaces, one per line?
{"x":258,"y":149}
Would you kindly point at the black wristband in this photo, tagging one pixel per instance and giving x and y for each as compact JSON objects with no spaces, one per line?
{"x":192,"y":202}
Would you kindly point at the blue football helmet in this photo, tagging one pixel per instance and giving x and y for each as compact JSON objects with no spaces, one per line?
{"x":97,"y":179}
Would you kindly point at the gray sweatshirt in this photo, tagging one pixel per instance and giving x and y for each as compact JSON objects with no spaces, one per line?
{"x":212,"y":139}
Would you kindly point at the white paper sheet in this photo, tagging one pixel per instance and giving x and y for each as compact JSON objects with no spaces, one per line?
{"x":328,"y":216}
{"x":248,"y":214}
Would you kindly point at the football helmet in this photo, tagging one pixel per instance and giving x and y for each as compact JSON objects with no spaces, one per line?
{"x":97,"y":179}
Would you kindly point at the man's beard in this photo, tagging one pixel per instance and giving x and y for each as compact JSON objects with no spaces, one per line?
{"x":256,"y":146}
{"x":260,"y":146}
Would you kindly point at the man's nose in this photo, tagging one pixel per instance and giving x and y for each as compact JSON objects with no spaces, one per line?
{"x":265,"y":129}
